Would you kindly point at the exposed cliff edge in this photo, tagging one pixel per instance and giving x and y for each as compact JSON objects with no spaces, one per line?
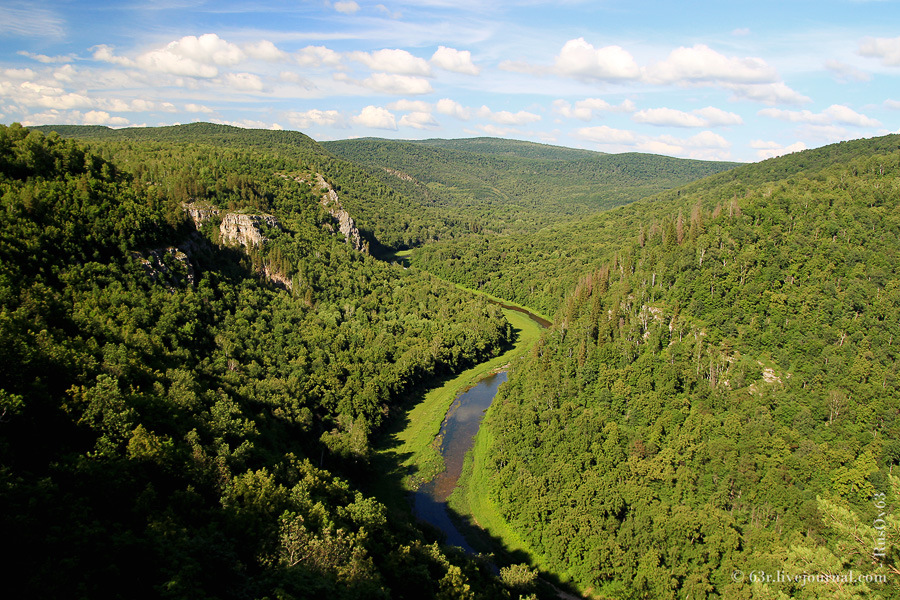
{"x":239,"y":229}
{"x":346,"y":226}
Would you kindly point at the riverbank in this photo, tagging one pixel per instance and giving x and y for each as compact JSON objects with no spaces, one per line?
{"x":408,"y":455}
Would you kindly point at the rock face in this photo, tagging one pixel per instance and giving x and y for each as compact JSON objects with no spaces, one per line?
{"x":346,"y":226}
{"x":199,"y":213}
{"x":244,"y":229}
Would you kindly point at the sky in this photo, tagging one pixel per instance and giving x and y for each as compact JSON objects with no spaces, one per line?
{"x":724,"y":80}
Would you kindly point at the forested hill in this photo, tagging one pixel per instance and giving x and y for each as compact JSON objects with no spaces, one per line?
{"x":502,"y":186}
{"x":720,"y":396}
{"x":541,"y":268}
{"x":186,"y":417}
{"x":387,"y":219}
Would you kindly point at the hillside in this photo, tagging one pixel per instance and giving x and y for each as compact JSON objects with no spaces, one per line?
{"x":500,"y":186}
{"x":719,"y":395}
{"x":540,"y":268}
{"x":188,"y":414}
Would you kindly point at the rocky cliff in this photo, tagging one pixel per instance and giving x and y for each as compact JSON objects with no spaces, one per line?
{"x":346,"y":226}
{"x":244,"y":229}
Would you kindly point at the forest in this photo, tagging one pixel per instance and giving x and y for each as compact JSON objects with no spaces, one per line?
{"x":175,"y":424}
{"x":184,"y":415}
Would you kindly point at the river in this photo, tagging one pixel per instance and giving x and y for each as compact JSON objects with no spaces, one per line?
{"x":456,"y":438}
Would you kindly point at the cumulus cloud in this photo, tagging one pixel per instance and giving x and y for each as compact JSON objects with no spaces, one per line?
{"x":392,"y":61}
{"x":602,"y":134}
{"x":585,"y":109}
{"x":834,"y":114}
{"x":310,"y":118}
{"x":458,"y":61}
{"x":390,"y":83}
{"x":348,"y":8}
{"x":316,"y":56}
{"x":668,"y":117}
{"x":766,"y":149}
{"x":191,"y":56}
{"x":886,"y":49}
{"x":419,"y":120}
{"x":505,"y":117}
{"x":265,"y":50}
{"x":375,"y":117}
{"x":99,"y":117}
{"x":452,"y":108}
{"x":245,"y":82}
{"x":410,"y":106}
{"x":700,"y":63}
{"x":581,"y":60}
{"x":703,"y":117}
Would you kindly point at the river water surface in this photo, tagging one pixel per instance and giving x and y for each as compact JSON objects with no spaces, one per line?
{"x":457,"y":437}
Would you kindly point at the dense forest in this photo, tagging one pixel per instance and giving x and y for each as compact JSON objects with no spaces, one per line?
{"x":720,"y":395}
{"x":508,"y":187}
{"x":182,"y":418}
{"x":196,"y":362}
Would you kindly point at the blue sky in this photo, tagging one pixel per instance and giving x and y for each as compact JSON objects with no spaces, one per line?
{"x":714,"y":80}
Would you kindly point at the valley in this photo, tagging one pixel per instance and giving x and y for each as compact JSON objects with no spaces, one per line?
{"x":697,"y":363}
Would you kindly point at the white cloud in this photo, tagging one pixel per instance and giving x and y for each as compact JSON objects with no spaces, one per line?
{"x":19,"y":73}
{"x":316,"y":56}
{"x":846,"y":73}
{"x":706,"y":145}
{"x":701,"y":63}
{"x":505,"y":117}
{"x":892,"y":104}
{"x":740,"y":31}
{"x":585,"y":109}
{"x":392,"y":61}
{"x":99,"y":117}
{"x":606,"y":135}
{"x":348,"y":8}
{"x":190,"y":56}
{"x":389,"y":83}
{"x":452,"y":108}
{"x":887,"y":49}
{"x":703,"y":117}
{"x":246,"y":82}
{"x":295,"y":78}
{"x":310,"y":118}
{"x":198,"y":108}
{"x":579,"y":59}
{"x":419,"y":120}
{"x":250,"y":124}
{"x":716,"y":117}
{"x":767,"y":93}
{"x":43,"y":58}
{"x":668,"y":117}
{"x":410,"y":106}
{"x":265,"y":50}
{"x":458,"y":61}
{"x":772,"y":149}
{"x":834,"y":114}
{"x":375,"y":117}
{"x":106,"y":53}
